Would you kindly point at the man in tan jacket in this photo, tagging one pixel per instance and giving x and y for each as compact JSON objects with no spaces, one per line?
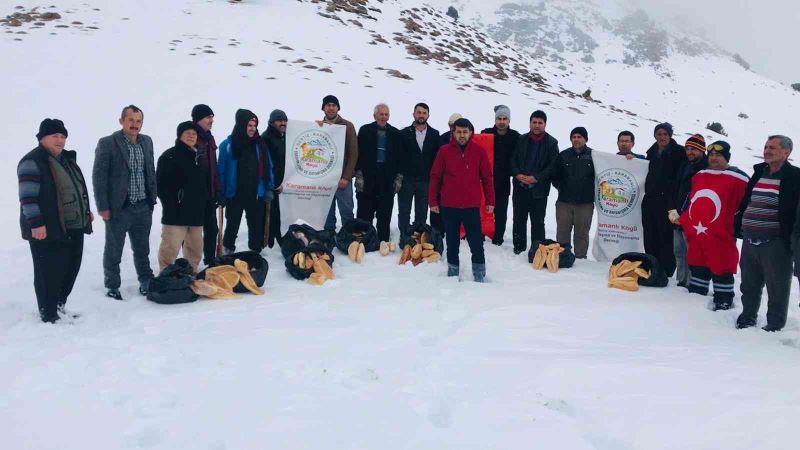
{"x":344,"y":193}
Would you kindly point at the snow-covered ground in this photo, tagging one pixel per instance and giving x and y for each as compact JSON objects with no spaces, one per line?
{"x":386,"y":356}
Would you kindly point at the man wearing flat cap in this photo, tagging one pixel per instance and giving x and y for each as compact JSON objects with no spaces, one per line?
{"x":54,"y":216}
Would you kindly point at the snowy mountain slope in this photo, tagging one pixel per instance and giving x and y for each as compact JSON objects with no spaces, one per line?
{"x":385,"y":356}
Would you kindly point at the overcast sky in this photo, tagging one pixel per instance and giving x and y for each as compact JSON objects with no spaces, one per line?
{"x":765,"y":32}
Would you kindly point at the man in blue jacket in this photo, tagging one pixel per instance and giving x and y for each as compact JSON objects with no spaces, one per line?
{"x":244,"y":168}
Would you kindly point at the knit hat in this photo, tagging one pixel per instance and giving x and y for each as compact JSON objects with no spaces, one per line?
{"x":696,"y":142}
{"x":722,"y":148}
{"x":579,"y":130}
{"x":200,"y":112}
{"x":539,"y":114}
{"x":666,"y":126}
{"x":188,"y":125}
{"x":453,"y":118}
{"x":276,"y":115}
{"x":330,"y":99}
{"x":502,"y":111}
{"x":464,"y":123}
{"x":51,"y":126}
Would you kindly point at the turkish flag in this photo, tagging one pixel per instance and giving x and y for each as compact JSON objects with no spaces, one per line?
{"x":707,"y":221}
{"x":486,"y":142}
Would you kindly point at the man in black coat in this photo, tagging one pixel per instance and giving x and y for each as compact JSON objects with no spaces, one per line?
{"x":766,"y":223}
{"x":54,"y":216}
{"x":532,"y":164}
{"x":378,"y":176}
{"x":695,"y":162}
{"x":203,"y":117}
{"x":665,"y":157}
{"x":574,"y":179}
{"x":505,"y":139}
{"x":420,"y":144}
{"x":275,"y":137}
{"x":182,"y":181}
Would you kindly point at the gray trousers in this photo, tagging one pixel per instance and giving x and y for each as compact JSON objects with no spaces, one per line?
{"x":134,"y":220}
{"x":579,"y":218}
{"x":416,"y":191}
{"x":767,"y":264}
{"x":682,"y":274}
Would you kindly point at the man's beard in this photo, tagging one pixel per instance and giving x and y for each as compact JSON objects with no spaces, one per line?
{"x":421,"y":121}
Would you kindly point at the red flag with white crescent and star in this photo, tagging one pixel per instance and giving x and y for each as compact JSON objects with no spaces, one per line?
{"x":707,"y":221}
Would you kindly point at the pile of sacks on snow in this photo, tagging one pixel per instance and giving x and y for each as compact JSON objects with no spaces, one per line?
{"x":226,"y":277}
{"x":551,"y":254}
{"x":308,"y":254}
{"x":422,"y":244}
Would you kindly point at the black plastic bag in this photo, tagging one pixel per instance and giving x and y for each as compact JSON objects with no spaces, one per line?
{"x":257,"y":264}
{"x":565,"y":260}
{"x":173,"y":285}
{"x":358,"y":230}
{"x":657,"y":276}
{"x":301,"y":273}
{"x":299,"y":236}
{"x":435,"y":237}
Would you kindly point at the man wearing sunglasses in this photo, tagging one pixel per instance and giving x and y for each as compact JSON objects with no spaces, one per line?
{"x":765,"y":223}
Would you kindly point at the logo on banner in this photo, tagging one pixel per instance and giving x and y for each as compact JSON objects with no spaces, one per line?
{"x":314,"y":154}
{"x":617,"y":192}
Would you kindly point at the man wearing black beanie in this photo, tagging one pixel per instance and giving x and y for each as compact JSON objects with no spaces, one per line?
{"x":574,"y":179}
{"x":203,"y":117}
{"x":344,"y":191}
{"x":48,"y":176}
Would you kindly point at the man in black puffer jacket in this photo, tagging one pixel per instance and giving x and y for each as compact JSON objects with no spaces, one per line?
{"x":665,"y":157}
{"x":574,"y":179}
{"x":183,"y":189}
{"x":505,"y":139}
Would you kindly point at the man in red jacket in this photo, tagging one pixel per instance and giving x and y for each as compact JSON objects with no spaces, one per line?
{"x":459,"y":171}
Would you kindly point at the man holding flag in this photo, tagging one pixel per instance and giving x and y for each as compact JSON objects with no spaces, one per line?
{"x":708,"y":224}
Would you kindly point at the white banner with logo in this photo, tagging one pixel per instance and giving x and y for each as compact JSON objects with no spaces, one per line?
{"x":619,"y":188}
{"x":314,"y":160}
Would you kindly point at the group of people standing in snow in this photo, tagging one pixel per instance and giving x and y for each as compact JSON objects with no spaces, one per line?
{"x":447,"y":175}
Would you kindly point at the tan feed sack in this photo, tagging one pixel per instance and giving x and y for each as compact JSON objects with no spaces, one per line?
{"x":547,"y":255}
{"x":626,"y":274}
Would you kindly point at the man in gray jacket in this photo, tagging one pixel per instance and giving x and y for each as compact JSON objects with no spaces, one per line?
{"x":124,"y":179}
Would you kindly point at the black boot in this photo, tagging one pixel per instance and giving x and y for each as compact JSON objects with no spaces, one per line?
{"x":452,"y":270}
{"x":114,"y":293}
{"x":479,"y":272}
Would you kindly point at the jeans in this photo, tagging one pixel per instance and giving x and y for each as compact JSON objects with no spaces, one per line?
{"x":453,"y":218}
{"x":344,"y":198}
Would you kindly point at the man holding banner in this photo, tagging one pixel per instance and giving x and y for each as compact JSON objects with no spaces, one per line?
{"x":344,"y":192}
{"x":315,"y":154}
{"x":618,"y":191}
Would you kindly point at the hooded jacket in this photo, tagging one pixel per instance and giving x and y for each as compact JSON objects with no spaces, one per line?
{"x":230,"y":150}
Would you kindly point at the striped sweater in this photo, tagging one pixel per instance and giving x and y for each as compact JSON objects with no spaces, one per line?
{"x":29,"y":178}
{"x":761,"y":219}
